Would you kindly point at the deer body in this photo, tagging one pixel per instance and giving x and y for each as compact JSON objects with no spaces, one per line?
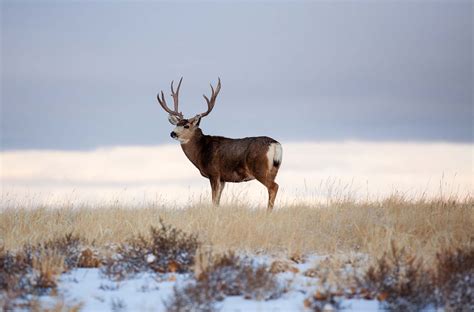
{"x":223,"y":159}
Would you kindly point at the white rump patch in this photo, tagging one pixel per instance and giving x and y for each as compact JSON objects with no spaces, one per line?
{"x":274,"y":154}
{"x":278,"y":153}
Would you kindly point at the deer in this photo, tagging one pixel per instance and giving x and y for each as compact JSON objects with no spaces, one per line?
{"x":222,"y":159}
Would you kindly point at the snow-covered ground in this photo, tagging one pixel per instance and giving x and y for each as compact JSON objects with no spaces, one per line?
{"x":148,"y":292}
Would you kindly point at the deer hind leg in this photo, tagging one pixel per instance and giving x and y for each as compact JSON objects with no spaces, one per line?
{"x":217,"y":188}
{"x":272,"y":187}
{"x":273,"y":159}
{"x":272,"y":193}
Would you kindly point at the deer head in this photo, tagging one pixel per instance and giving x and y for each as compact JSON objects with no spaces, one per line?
{"x":185,"y":128}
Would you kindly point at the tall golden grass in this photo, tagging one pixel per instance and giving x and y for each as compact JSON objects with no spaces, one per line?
{"x":421,"y":226}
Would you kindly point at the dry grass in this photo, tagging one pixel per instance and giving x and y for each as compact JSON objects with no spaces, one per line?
{"x":422,"y":227}
{"x":48,"y":265}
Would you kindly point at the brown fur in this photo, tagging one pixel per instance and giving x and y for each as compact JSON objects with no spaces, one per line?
{"x":224,"y":160}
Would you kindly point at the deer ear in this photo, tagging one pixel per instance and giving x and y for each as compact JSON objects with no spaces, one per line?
{"x":173,"y":119}
{"x":196,"y":120}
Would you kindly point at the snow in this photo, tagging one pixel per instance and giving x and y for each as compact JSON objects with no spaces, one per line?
{"x":292,"y":301}
{"x":360,"y":305}
{"x":143,"y":293}
{"x":148,"y":292}
{"x":150,"y":258}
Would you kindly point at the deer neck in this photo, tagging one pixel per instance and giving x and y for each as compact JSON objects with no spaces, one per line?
{"x":192,"y":148}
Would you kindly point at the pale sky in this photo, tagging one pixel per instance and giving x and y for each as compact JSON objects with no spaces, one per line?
{"x":84,"y":74}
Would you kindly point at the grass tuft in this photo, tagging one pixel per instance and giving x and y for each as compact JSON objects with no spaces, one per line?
{"x":47,"y":266}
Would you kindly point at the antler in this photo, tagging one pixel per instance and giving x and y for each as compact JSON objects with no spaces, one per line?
{"x":175,"y":95}
{"x":212,"y":101}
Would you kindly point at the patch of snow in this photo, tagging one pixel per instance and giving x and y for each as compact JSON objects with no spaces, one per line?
{"x":144,"y":292}
{"x":148,"y":291}
{"x":360,"y":305}
{"x":291,"y":301}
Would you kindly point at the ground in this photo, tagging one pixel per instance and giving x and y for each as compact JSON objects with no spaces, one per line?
{"x":397,"y":253}
{"x":148,"y":291}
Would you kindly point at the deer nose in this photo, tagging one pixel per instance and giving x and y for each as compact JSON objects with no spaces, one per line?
{"x":173,"y":135}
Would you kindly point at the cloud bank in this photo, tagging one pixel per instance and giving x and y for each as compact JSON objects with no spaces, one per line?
{"x":162,"y":175}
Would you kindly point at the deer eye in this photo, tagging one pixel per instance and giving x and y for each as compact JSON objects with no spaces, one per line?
{"x":186,"y":126}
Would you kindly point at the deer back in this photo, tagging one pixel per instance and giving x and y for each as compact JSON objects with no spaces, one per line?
{"x":231,"y":160}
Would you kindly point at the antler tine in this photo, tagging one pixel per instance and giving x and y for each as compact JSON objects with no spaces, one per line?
{"x":211,"y":102}
{"x":218,"y":85}
{"x":176,"y":95}
{"x":163,"y":103}
{"x":212,"y":90}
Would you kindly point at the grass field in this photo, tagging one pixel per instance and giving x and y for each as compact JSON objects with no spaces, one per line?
{"x":422,"y":226}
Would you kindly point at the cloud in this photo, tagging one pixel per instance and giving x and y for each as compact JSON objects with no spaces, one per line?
{"x":162,"y":174}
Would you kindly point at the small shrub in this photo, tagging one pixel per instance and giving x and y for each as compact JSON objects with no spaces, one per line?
{"x":227,"y":275}
{"x":22,"y":274}
{"x":15,"y":279}
{"x":399,"y":281}
{"x":330,"y":277}
{"x":223,"y":276}
{"x":67,"y":246}
{"x":34,"y":269}
{"x":171,"y":245}
{"x":165,"y":250}
{"x":455,"y":279}
{"x":14,"y":271}
{"x":116,"y":269}
{"x":192,"y":298}
{"x":336,"y":277}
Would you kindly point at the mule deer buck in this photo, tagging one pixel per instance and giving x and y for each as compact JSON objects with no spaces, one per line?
{"x":222,"y":159}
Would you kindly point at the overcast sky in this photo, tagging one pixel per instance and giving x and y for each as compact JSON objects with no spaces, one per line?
{"x":85,"y":74}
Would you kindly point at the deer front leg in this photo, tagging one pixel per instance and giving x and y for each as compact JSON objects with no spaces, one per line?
{"x":219,"y":193}
{"x":217,"y":187}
